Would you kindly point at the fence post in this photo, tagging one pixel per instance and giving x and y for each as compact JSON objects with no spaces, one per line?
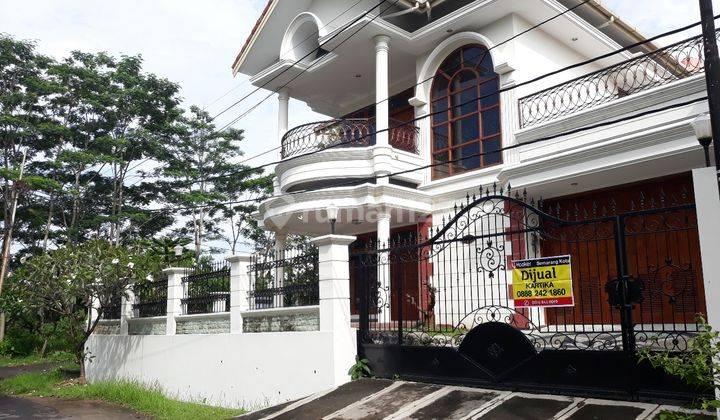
{"x":334,"y":288}
{"x":126,"y":310}
{"x":239,"y":287}
{"x":707,"y":208}
{"x":174,"y":296}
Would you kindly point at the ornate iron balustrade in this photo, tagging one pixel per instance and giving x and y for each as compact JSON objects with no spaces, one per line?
{"x":345,"y":133}
{"x":677,"y":61}
{"x":207,"y":290}
{"x":284,"y":279}
{"x":150,"y":298}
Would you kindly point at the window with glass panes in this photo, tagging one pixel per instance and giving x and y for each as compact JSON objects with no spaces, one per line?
{"x":466,"y":113}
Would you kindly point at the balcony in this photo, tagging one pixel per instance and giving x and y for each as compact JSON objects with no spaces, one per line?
{"x":675,"y":62}
{"x":342,"y":133}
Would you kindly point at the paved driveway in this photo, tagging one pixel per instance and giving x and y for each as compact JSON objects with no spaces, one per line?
{"x":383,"y":399}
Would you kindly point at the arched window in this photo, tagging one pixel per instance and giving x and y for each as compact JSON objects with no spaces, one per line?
{"x":467,"y":123}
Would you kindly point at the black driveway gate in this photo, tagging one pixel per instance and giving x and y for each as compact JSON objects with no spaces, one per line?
{"x":440,"y":308}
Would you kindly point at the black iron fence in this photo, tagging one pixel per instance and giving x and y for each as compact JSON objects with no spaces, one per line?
{"x":206,"y":289}
{"x":113,"y":310}
{"x":665,"y":65}
{"x":150,"y":298}
{"x":284,"y":279}
{"x":434,"y":292}
{"x":352,"y":132}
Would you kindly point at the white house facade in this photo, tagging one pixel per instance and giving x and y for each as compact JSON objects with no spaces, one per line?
{"x":463,"y":136}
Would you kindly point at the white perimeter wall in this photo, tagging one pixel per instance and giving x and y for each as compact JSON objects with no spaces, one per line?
{"x":233,"y":370}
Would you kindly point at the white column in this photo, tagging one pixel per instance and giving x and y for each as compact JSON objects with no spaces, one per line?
{"x":239,"y":287}
{"x":510,"y":123}
{"x":279,"y":274}
{"x":334,"y":288}
{"x":382,"y":158}
{"x":174,"y":296}
{"x":383,"y":268}
{"x":707,"y":205}
{"x":283,"y":110}
{"x":126,"y":310}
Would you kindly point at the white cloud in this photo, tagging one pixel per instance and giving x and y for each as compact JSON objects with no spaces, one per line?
{"x":652,"y":17}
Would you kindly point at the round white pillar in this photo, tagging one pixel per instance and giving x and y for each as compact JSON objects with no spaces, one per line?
{"x":381,"y":154}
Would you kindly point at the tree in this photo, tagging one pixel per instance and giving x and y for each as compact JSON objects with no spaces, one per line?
{"x":68,"y":281}
{"x":23,"y":91}
{"x":115,"y":117}
{"x":201,"y":174}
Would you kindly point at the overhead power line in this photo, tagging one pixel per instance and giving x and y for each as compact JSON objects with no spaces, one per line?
{"x":442,"y":110}
{"x":294,"y":47}
{"x":252,"y":108}
{"x":314,"y":51}
{"x":354,"y":182}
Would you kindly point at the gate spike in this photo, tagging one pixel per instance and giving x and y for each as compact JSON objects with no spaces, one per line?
{"x":509,"y":188}
{"x":577,"y":211}
{"x":652,"y":203}
{"x":467,"y":198}
{"x":501,"y":190}
{"x":632,"y":205}
{"x":474,"y":198}
{"x":663,"y":196}
{"x":557,"y":209}
{"x":594,"y":209}
{"x":494,"y":188}
{"x":642,"y":200}
{"x":540,"y":203}
{"x":524,"y":195}
{"x":603,"y":211}
{"x":487,"y":191}
{"x":532,"y":202}
{"x":517,"y":195}
{"x":613,"y":205}
{"x":684,"y":193}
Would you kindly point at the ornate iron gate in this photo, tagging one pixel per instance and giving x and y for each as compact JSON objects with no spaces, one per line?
{"x":440,"y":308}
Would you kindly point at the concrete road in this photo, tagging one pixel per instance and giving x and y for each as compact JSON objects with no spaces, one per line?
{"x":382,"y":399}
{"x":51,"y":408}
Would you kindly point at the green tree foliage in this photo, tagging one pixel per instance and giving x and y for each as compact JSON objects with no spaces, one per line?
{"x":93,"y":126}
{"x":85,"y":131}
{"x":196,"y":177}
{"x":64,"y":283}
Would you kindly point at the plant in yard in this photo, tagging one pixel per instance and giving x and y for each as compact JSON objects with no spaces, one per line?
{"x":699,"y":367}
{"x":68,"y":281}
{"x":361,"y":369}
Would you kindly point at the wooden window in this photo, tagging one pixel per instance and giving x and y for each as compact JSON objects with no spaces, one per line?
{"x":467,"y":123}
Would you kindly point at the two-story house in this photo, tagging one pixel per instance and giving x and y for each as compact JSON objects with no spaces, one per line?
{"x":430,"y":101}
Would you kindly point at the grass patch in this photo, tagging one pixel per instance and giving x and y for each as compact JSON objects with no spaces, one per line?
{"x":59,"y":357}
{"x":127,"y":394}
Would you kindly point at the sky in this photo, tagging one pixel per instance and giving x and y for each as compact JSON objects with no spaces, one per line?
{"x":193,"y":43}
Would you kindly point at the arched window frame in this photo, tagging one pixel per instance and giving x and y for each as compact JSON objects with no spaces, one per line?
{"x":470,"y":129}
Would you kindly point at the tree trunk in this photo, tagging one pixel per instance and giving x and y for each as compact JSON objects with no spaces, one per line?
{"x":48,"y":223}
